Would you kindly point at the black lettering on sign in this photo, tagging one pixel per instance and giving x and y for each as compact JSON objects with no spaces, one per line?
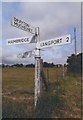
{"x":51,"y":42}
{"x":60,"y":40}
{"x":22,"y":40}
{"x":12,"y":41}
{"x":54,"y":41}
{"x":57,"y":41}
{"x":19,"y":23}
{"x":67,"y":39}
{"x":9,"y":42}
{"x":15,"y":21}
{"x":27,"y":39}
{"x":45,"y":43}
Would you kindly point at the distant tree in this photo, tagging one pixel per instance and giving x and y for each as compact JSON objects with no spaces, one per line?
{"x":75,"y":63}
{"x":52,"y":64}
{"x":20,"y":65}
{"x":30,"y":65}
{"x":65,"y":65}
{"x":17,"y":65}
{"x":7,"y":66}
{"x":58,"y":65}
{"x":46,"y":64}
{"x":3,"y":65}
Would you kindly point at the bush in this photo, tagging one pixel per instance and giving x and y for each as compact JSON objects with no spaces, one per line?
{"x":75,"y":63}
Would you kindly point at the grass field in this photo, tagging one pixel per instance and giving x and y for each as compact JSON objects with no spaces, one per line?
{"x":62,"y":100}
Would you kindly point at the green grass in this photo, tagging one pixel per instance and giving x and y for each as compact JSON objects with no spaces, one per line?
{"x":62,"y":100}
{"x":18,"y":79}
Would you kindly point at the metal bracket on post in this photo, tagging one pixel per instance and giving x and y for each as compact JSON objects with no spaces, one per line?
{"x":37,"y":67}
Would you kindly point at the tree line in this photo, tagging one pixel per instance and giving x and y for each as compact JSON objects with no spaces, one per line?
{"x":73,"y":64}
{"x":45,"y":64}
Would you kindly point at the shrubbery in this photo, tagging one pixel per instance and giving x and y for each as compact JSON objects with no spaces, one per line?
{"x":75,"y":63}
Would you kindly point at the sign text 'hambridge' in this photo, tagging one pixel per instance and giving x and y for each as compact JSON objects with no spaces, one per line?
{"x":22,"y":40}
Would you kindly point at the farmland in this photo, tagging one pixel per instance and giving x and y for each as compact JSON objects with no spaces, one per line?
{"x":62,"y":100}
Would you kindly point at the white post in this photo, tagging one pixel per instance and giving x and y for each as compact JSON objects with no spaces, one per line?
{"x":37,"y":67}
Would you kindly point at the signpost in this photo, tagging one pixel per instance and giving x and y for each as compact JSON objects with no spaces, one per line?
{"x":39,"y":45}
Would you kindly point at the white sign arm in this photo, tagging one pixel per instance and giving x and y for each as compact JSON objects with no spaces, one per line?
{"x":23,"y":40}
{"x":22,"y":25}
{"x":55,"y":41}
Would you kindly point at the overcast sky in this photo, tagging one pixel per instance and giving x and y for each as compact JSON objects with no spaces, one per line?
{"x":54,"y":20}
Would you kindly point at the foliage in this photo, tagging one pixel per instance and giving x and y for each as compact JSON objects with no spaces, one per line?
{"x":17,"y":65}
{"x":15,"y":109}
{"x":48,"y":105}
{"x":75,"y":63}
{"x":30,"y":65}
{"x":46,"y":64}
